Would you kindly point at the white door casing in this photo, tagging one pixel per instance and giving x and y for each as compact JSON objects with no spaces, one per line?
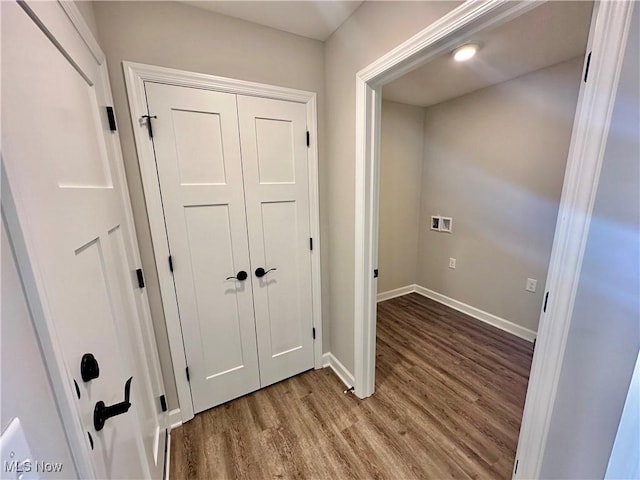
{"x":68,"y":216}
{"x":199,"y":167}
{"x":274,"y":161}
{"x":136,"y":75}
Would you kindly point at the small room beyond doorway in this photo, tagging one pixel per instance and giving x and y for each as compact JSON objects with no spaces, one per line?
{"x":472,"y":164}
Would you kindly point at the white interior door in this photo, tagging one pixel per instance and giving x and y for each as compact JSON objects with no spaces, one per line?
{"x":69,"y":195}
{"x":276,"y":179}
{"x":195,"y":136}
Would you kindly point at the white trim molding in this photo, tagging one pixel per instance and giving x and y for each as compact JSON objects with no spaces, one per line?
{"x":136,"y":74}
{"x":396,"y":292}
{"x":486,"y":317}
{"x":329,"y":360}
{"x":608,"y":34}
{"x":175,"y":418}
{"x":167,"y":460}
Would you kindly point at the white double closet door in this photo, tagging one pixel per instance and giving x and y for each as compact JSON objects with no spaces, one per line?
{"x":233,"y":177}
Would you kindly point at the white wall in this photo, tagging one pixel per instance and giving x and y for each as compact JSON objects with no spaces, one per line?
{"x":494,"y":161}
{"x":373,"y":30}
{"x":180,"y":36}
{"x":604,"y":334}
{"x":26,"y":390}
{"x":401,"y":145}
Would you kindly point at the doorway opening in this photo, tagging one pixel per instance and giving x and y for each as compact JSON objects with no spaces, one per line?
{"x":588,"y":132}
{"x":472,"y":162}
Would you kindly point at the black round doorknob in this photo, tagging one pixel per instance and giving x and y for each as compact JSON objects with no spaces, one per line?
{"x":241,"y":276}
{"x":261,"y":272}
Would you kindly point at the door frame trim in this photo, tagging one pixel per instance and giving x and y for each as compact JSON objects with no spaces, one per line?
{"x":608,"y":33}
{"x":135,"y":75}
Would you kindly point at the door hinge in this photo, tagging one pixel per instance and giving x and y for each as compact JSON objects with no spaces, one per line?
{"x":534,"y":343}
{"x":375,"y":273}
{"x":112,"y":119}
{"x":171,"y":263}
{"x":163,"y":403}
{"x":586,"y":69}
{"x":546,"y":299}
{"x":515,"y":469}
{"x":310,"y":243}
{"x":313,"y":332}
{"x":188,"y":377}
{"x":308,"y":139}
{"x":148,"y":122}
{"x":140,"y":278}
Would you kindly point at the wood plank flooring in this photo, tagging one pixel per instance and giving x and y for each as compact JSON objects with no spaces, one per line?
{"x":448,"y":404}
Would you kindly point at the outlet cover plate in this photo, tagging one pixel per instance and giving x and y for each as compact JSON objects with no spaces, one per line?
{"x":531,"y":285}
{"x":446,"y":224}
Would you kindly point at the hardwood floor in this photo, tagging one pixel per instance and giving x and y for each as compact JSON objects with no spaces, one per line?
{"x":448,"y":404}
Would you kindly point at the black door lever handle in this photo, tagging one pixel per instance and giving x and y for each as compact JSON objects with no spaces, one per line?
{"x":261,"y":272}
{"x":102,"y":412}
{"x":241,"y":275}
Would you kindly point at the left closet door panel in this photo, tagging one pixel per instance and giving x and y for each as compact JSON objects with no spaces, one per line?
{"x":197,"y":148}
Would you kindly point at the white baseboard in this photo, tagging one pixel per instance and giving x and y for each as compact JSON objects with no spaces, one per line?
{"x":328,"y":360}
{"x":175,"y":419}
{"x":397,"y":292}
{"x":168,"y":457}
{"x":474,"y":312}
{"x":478,"y":314}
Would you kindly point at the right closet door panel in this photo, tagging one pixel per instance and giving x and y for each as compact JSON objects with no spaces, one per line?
{"x":274,"y":161}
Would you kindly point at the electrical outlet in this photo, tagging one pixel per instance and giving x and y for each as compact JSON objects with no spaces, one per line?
{"x":452,"y":262}
{"x":531,"y":285}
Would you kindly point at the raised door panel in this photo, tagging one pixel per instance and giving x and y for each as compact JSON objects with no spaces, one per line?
{"x":197,"y":149}
{"x":275,"y":148}
{"x":274,"y":159}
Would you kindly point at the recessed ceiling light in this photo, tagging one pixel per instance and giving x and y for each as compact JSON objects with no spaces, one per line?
{"x":465,"y":52}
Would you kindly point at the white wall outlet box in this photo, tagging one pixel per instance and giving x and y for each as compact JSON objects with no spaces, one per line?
{"x":446,"y":224}
{"x":531,"y":285}
{"x":452,"y":262}
{"x":435,"y":223}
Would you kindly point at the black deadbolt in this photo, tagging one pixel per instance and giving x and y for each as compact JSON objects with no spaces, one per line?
{"x":89,"y":368}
